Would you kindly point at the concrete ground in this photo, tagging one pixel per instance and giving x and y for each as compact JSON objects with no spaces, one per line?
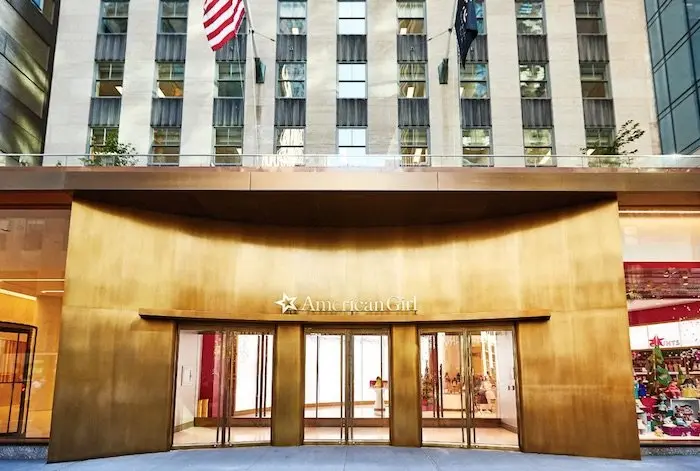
{"x":367,"y":458}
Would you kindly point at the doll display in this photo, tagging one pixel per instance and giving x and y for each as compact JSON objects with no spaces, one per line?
{"x":673,"y":391}
{"x":689,"y":389}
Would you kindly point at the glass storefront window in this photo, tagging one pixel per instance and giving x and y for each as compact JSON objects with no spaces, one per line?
{"x":662,"y":275}
{"x":33,"y":245}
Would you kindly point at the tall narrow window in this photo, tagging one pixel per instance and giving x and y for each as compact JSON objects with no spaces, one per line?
{"x":412,"y":80}
{"x":109,"y":79}
{"x":599,"y":139}
{"x":291,"y":80}
{"x":414,"y":146}
{"x":411,"y":17}
{"x":533,"y":81}
{"x":594,"y":80}
{"x":473,"y":81}
{"x":476,"y":147}
{"x":292,"y":18}
{"x":170,"y":80}
{"x":589,"y":17}
{"x":352,"y":141}
{"x":352,"y":80}
{"x":230,"y":79}
{"x":538,"y":147}
{"x":352,"y":18}
{"x":114,"y":17}
{"x":228,"y":145}
{"x":173,"y":17}
{"x":166,"y":146}
{"x":529,"y":17}
{"x":289,"y":141}
{"x":99,"y":138}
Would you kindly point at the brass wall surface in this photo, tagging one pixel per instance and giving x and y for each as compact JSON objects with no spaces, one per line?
{"x":575,"y":369}
{"x":288,"y":386}
{"x":404,"y":386}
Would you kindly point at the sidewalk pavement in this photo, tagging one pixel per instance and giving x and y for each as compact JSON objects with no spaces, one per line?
{"x":366,"y":458}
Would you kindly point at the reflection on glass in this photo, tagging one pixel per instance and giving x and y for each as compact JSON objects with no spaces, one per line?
{"x":468,"y":388}
{"x":224,"y":388}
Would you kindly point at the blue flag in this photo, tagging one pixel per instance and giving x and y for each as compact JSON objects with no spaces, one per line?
{"x":466,"y":28}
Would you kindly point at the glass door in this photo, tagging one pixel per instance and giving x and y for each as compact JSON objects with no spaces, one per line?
{"x":223,"y":393}
{"x":346,"y":389}
{"x":468,"y":388}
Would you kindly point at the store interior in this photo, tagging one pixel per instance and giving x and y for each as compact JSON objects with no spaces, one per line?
{"x":347,"y":388}
{"x":33,"y":250}
{"x":468,"y":388}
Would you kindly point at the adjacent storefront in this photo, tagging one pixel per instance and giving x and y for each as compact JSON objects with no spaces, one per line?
{"x":662,"y":274}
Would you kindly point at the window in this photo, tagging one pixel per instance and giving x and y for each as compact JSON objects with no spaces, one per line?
{"x":352,"y":80}
{"x":352,"y":18}
{"x":589,"y":17}
{"x":352,"y":141}
{"x":529,"y":17}
{"x":110,"y":79}
{"x":412,"y":81}
{"x":480,"y":24}
{"x":114,"y":17}
{"x":476,"y":147}
{"x":473,"y":81}
{"x":291,"y":80}
{"x":597,"y":138}
{"x":170,"y":82}
{"x":99,"y":138}
{"x":594,"y":82}
{"x":411,"y":17}
{"x":533,"y":81}
{"x":292,"y":18}
{"x":228,"y":145}
{"x":166,"y":146}
{"x":230,"y":79}
{"x":173,"y":17}
{"x":538,"y":147}
{"x":414,"y":146}
{"x":289,"y":141}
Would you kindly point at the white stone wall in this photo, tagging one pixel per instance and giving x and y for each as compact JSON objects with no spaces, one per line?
{"x":382,"y":78}
{"x":258,"y":137}
{"x":565,"y":82}
{"x":321,"y":78}
{"x":198,"y":106}
{"x":445,"y":124}
{"x":73,"y":78}
{"x":139,"y":75}
{"x":504,"y":82}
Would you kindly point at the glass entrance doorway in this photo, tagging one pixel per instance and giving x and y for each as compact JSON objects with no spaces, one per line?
{"x":347,"y":386}
{"x":223,"y":393}
{"x":468,"y":388}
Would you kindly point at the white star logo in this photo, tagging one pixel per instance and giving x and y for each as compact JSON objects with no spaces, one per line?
{"x":287,"y":303}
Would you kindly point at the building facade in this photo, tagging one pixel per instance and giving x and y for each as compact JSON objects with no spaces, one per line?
{"x":281,"y":298}
{"x":27,"y":38}
{"x":674,"y":42}
{"x":144,"y":72}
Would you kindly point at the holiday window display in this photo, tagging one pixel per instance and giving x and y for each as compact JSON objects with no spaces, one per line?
{"x":666,"y":392}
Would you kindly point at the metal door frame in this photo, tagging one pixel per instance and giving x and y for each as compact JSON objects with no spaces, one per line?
{"x":468,"y":419}
{"x":227,"y":377}
{"x":347,"y":378}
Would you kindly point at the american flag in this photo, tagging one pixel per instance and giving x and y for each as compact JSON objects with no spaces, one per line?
{"x":222,"y":20}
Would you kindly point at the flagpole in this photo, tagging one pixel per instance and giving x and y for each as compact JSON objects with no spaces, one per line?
{"x":451,"y":28}
{"x":251,"y":28}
